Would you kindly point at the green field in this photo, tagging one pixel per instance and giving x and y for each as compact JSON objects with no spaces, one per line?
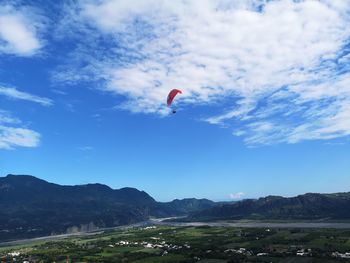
{"x":190,"y":244}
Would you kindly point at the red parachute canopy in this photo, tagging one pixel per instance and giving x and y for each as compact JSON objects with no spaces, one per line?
{"x":172,"y":94}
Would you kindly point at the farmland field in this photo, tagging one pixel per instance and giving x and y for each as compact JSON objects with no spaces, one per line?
{"x":190,"y":244}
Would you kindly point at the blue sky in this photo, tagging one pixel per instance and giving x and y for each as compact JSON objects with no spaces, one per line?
{"x":265,"y":107}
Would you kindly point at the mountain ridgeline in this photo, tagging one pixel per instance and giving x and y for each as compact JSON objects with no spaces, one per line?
{"x":310,"y":206}
{"x":31,"y":207}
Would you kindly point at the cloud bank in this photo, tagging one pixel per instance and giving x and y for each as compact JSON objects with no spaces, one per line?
{"x":280,"y":69}
{"x":238,"y":195}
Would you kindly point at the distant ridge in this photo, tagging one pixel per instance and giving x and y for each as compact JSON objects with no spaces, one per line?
{"x":309,"y":206}
{"x":31,"y":207}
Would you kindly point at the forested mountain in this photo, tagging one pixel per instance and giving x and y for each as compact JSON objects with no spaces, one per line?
{"x":308,"y":206}
{"x":33,"y":207}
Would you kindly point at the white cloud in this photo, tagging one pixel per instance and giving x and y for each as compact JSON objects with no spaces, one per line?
{"x":13,"y":136}
{"x":238,"y":195}
{"x":5,"y":117}
{"x":13,"y":93}
{"x":281,"y":67}
{"x":19,"y":31}
{"x":86,"y":148}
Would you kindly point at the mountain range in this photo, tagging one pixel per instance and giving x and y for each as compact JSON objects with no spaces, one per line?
{"x":31,"y":207}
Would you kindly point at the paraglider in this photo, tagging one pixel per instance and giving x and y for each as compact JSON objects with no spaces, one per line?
{"x":171,"y":96}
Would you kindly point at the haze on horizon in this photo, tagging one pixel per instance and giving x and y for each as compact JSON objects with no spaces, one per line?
{"x":265,"y":108}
